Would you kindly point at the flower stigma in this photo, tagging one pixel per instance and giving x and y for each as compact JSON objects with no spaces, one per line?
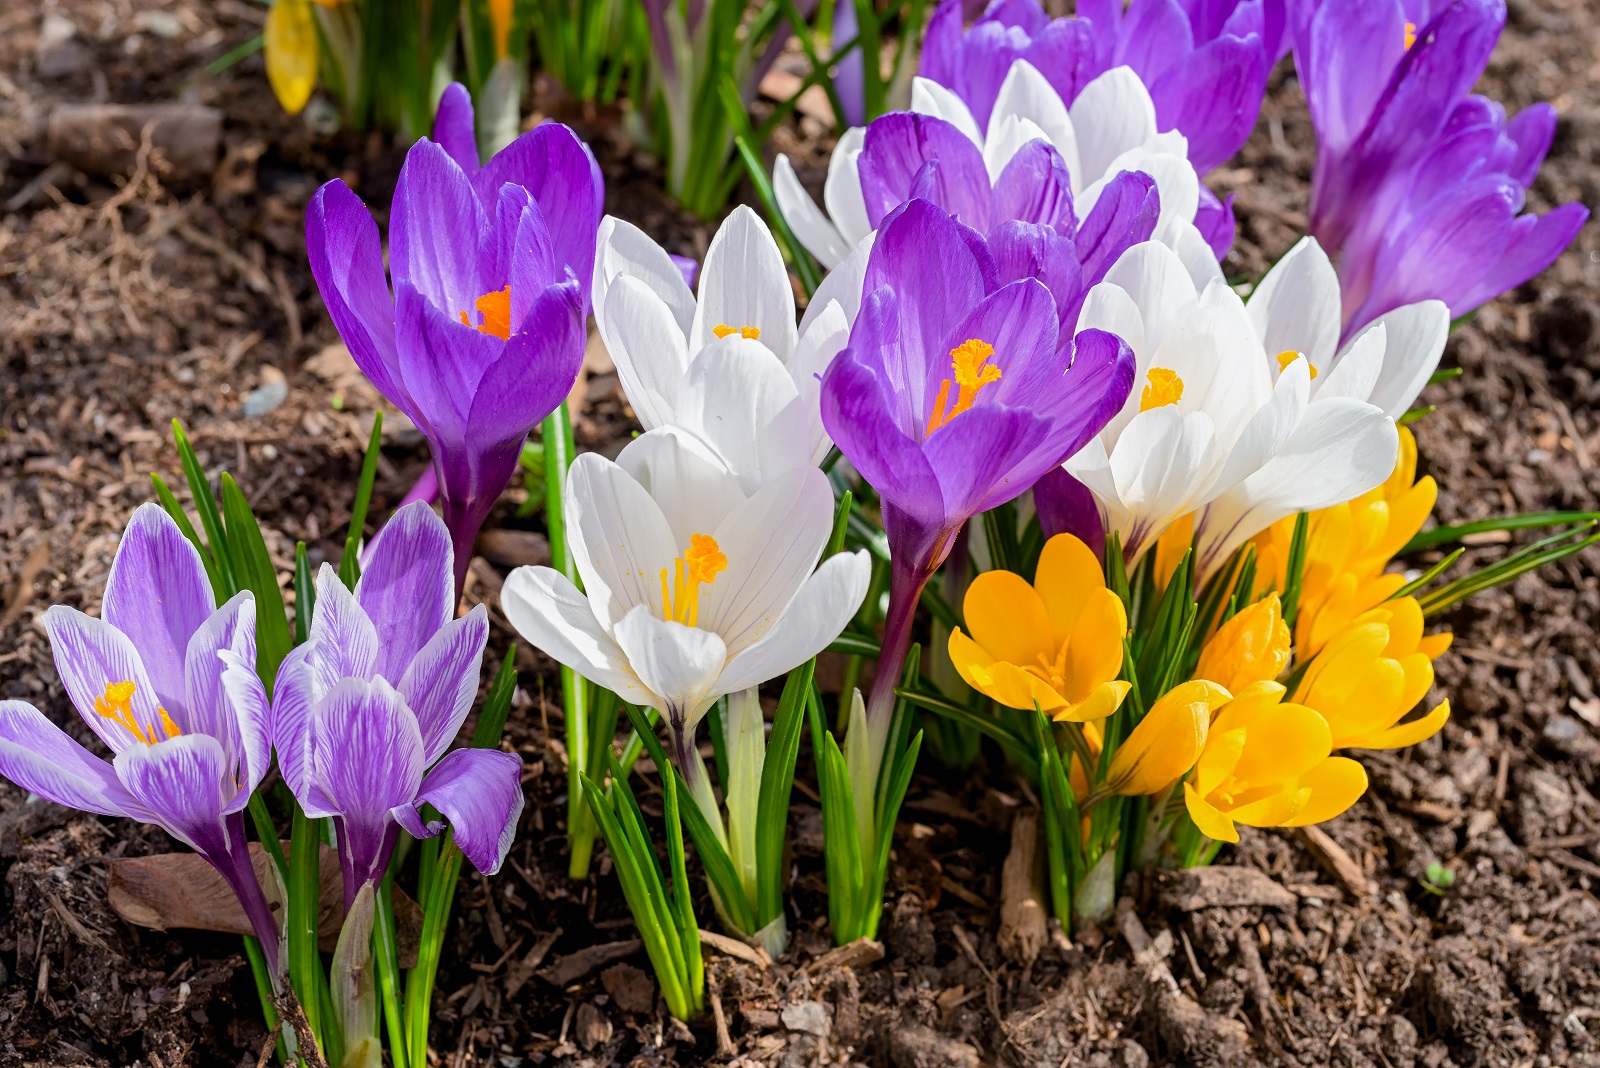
{"x":1288,"y":356}
{"x":701,"y":563}
{"x":1164,"y":387}
{"x":116,"y":704}
{"x":970,"y":362}
{"x":1411,"y":35}
{"x":749,"y":333}
{"x":495,"y":307}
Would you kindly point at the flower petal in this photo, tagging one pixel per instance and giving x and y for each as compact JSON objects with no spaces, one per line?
{"x":158,"y":595}
{"x":816,"y":615}
{"x":183,"y":785}
{"x":479,"y":793}
{"x":90,"y":655}
{"x":406,"y":589}
{"x":678,"y":664}
{"x":441,"y":682}
{"x":547,"y":610}
{"x":43,"y":759}
{"x":820,"y":237}
{"x":743,"y":283}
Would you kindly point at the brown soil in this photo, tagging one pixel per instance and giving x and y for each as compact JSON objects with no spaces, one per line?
{"x":126,"y":305}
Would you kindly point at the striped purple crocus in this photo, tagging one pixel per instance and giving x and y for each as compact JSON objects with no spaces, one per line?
{"x":954,"y":396}
{"x":1420,"y":186}
{"x":483,"y":333}
{"x":166,"y":679}
{"x":365,"y":710}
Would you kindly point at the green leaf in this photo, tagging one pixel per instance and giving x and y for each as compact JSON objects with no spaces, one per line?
{"x":210,"y":518}
{"x":305,"y":593}
{"x":349,"y":563}
{"x":1427,"y":539}
{"x":253,"y":567}
{"x":1544,"y":551}
{"x":959,"y":713}
{"x":777,"y":784}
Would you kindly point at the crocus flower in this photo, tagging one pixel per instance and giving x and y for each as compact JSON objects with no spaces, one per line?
{"x":483,"y":335}
{"x":1035,"y":160}
{"x":1251,"y":647}
{"x":952,"y":398}
{"x":1229,"y":418}
{"x":1372,"y":674}
{"x":1205,"y":73}
{"x":167,"y":680}
{"x":730,"y":366}
{"x":1167,"y":741}
{"x":1056,"y":643}
{"x":692,"y":588}
{"x":1418,"y":184}
{"x":366,"y":708}
{"x":1266,"y":763}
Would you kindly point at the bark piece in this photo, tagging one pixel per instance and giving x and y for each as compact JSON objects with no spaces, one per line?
{"x":1024,"y":920}
{"x":1339,"y":864}
{"x":105,"y":139}
{"x":855,"y":954}
{"x":579,"y":964}
{"x":1205,"y":888}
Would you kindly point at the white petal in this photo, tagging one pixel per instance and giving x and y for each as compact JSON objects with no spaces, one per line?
{"x":1296,"y":307}
{"x":824,"y":338}
{"x":744,"y":283}
{"x":1355,"y":372}
{"x":556,"y":619}
{"x":930,"y":98}
{"x":1006,"y":139}
{"x":1158,"y":283}
{"x":619,"y":539}
{"x":1417,"y":333}
{"x":1028,"y":95}
{"x":1163,"y":466}
{"x":624,"y":249}
{"x":846,"y":203}
{"x":1178,"y":185}
{"x":843,"y":284}
{"x":651,"y":354}
{"x":677,"y":663}
{"x":739,"y":399}
{"x":1112,"y":114}
{"x":694,"y":489}
{"x":1268,"y":428}
{"x":772,"y":543}
{"x":820,"y":237}
{"x":816,"y":616}
{"x":1193,"y":251}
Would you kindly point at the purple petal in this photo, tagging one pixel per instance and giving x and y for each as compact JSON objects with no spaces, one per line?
{"x":1534,"y":244}
{"x":941,"y":45}
{"x":857,"y":412}
{"x":158,"y":595}
{"x":1019,"y":321}
{"x":442,"y":681}
{"x":225,"y":698}
{"x":849,"y":73}
{"x":406,"y":589}
{"x":343,"y":639}
{"x":293,"y":701}
{"x":1094,"y":386}
{"x":90,"y":655}
{"x":1066,"y":53}
{"x":895,"y":151}
{"x":988,"y":52}
{"x":444,"y":361}
{"x":182,"y":785}
{"x":1035,"y":187}
{"x":561,"y":173}
{"x":1025,"y":250}
{"x":976,"y":454}
{"x":686,"y":267}
{"x":347,"y":261}
{"x":1026,"y":15}
{"x":434,"y":229}
{"x":42,"y":759}
{"x":1066,"y":506}
{"x":535,"y":372}
{"x":366,"y":760}
{"x":479,"y":793}
{"x":534,"y":266}
{"x":1125,"y":215}
{"x":1214,"y":219}
{"x":1155,"y":35}
{"x":1532,"y":131}
{"x":1213,"y":97}
{"x":455,"y":129}
{"x":1345,"y":55}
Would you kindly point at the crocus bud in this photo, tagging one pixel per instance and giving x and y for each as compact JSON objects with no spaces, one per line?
{"x":1253,"y":646}
{"x":1167,"y":741}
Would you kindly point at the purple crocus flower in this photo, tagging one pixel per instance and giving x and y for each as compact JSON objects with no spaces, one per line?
{"x":365,"y":709}
{"x":167,"y":680}
{"x":483,"y":335}
{"x":1419,"y":186}
{"x":1206,"y":72}
{"x":952,"y":396}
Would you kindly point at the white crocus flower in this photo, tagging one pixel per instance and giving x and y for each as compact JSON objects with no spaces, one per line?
{"x":1108,"y":129}
{"x":729,"y":366}
{"x":692,"y":587}
{"x":1216,"y":424}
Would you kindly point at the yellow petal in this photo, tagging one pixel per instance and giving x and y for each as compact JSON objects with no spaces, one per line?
{"x":1008,"y":619}
{"x":1405,"y":734}
{"x":1433,"y":645}
{"x":1069,"y":574}
{"x":1419,"y":679}
{"x":1274,"y":809}
{"x":1167,"y":741}
{"x":1406,"y":516}
{"x":1103,"y":700}
{"x":1212,"y":824}
{"x":996,"y":679}
{"x":1405,"y":626}
{"x":1335,"y":785}
{"x":1251,"y":647}
{"x":1282,"y":743}
{"x":1094,"y":654}
{"x":289,"y":39}
{"x":1218,"y":759}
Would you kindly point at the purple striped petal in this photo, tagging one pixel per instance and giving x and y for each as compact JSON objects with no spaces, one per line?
{"x":976,"y":456}
{"x":455,"y":127}
{"x":90,"y":655}
{"x":987,"y":54}
{"x":479,"y":793}
{"x":1214,"y":96}
{"x":183,"y":785}
{"x":225,"y":697}
{"x":406,"y":590}
{"x":293,"y":701}
{"x":536,"y":370}
{"x":1034,"y":187}
{"x":444,"y":362}
{"x":1067,"y":506}
{"x":442,"y":681}
{"x":898,"y":147}
{"x":1019,"y":321}
{"x":1124,"y":216}
{"x":1067,"y":53}
{"x":43,"y":759}
{"x":434,"y":229}
{"x":1025,"y":250}
{"x":158,"y":595}
{"x":343,"y":639}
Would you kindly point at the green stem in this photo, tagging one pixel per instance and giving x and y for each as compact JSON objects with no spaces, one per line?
{"x":387,"y":953}
{"x":420,"y":979}
{"x":305,"y":897}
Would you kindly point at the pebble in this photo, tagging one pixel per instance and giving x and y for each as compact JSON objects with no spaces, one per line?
{"x":807,"y":1016}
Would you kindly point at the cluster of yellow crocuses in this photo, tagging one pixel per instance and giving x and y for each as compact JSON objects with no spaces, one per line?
{"x":1251,"y":734}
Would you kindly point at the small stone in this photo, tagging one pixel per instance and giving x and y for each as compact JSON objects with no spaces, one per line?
{"x":921,"y":1047}
{"x":268,"y":396}
{"x":58,"y":51}
{"x":593,"y":1029}
{"x":162,"y":24}
{"x":807,"y":1016}
{"x":1134,"y":1055}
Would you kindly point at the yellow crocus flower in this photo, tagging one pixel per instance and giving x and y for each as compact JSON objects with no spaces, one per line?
{"x":1371,"y":674}
{"x":1057,"y":642}
{"x":1348,"y":547}
{"x":1251,"y":647}
{"x":1267,"y":764}
{"x":289,"y":40}
{"x":1167,"y":741}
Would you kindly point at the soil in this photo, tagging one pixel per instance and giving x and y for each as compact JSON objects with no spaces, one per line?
{"x":128,"y":302}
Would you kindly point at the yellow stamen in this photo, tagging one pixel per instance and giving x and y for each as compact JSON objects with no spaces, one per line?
{"x":495,"y":306}
{"x":1288,"y":356}
{"x":749,"y":333}
{"x":1411,"y":35}
{"x":117,"y":706}
{"x":1165,"y":387}
{"x":970,"y":362}
{"x":701,"y":563}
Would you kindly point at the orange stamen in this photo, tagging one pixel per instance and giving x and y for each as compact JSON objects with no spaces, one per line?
{"x":970,"y":362}
{"x":750,"y":333}
{"x":700,"y":564}
{"x":1165,"y":387}
{"x":495,"y":307}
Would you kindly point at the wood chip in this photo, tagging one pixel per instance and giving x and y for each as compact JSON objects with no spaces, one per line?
{"x":1214,"y":887}
{"x":513,"y":548}
{"x":861,"y":952}
{"x":1331,"y":855}
{"x":732,"y":947}
{"x":27,"y":574}
{"x":579,"y":964}
{"x":1024,"y":919}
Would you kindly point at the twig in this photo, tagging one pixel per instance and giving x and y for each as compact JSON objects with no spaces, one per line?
{"x":289,"y":1010}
